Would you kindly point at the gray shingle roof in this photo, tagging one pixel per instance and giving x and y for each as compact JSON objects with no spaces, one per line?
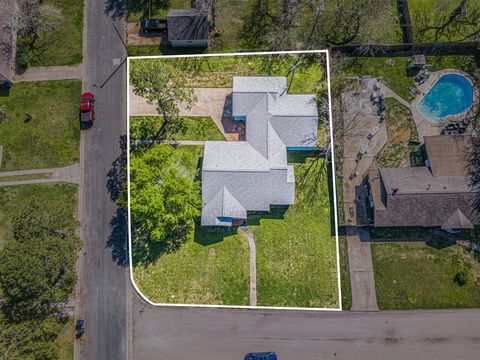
{"x":419,"y":180}
{"x":233,"y":156}
{"x":259,"y":84}
{"x":294,"y":105}
{"x":187,"y":24}
{"x":254,"y":174}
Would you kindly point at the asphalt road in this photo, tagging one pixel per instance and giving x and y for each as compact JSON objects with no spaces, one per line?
{"x":102,"y":272}
{"x":206,"y":334}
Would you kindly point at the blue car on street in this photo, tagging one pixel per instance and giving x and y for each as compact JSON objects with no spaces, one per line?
{"x":261,"y":356}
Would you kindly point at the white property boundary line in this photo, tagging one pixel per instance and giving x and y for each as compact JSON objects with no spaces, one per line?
{"x":333,"y":179}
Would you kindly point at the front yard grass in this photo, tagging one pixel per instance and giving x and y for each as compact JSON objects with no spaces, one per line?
{"x":420,"y":276}
{"x":210,"y":268}
{"x":296,"y":247}
{"x":197,"y":128}
{"x":296,"y":256}
{"x":401,"y":132}
{"x":53,"y":196}
{"x":52,"y":137}
{"x":64,"y":46}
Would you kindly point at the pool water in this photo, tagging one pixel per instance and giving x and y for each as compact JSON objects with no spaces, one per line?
{"x":452,"y":94}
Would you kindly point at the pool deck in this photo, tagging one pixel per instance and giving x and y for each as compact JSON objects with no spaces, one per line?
{"x":428,"y":127}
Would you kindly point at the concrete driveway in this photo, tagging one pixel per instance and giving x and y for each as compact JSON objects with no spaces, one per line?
{"x":213,"y":102}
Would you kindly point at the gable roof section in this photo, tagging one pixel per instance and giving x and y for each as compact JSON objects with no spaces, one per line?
{"x":260,"y":84}
{"x":233,"y":156}
{"x":419,"y":180}
{"x":8,"y":9}
{"x":187,"y":24}
{"x":457,"y":220}
{"x":448,"y":154}
{"x":222,"y":205}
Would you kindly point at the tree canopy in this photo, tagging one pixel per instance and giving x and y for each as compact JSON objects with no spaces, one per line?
{"x":163,"y":85}
{"x":164,"y":197}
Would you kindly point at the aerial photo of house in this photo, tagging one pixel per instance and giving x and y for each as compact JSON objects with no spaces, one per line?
{"x":251,"y":175}
{"x":251,"y":198}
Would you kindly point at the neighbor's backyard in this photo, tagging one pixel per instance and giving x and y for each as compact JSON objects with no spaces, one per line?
{"x":51,"y":137}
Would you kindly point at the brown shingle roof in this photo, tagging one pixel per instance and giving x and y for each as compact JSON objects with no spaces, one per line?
{"x":420,"y":197}
{"x":448,"y":154}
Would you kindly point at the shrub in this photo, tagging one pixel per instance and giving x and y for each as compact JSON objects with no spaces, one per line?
{"x":460,"y":278}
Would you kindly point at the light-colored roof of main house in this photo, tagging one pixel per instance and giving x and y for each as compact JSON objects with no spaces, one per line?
{"x":274,"y":120}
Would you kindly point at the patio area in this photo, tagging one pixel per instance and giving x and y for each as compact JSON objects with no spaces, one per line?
{"x":213,"y":102}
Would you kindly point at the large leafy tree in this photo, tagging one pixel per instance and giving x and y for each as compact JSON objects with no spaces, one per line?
{"x":164,"y":86}
{"x":37,"y":271}
{"x":164,"y":198}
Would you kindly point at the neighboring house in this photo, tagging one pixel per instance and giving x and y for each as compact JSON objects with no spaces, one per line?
{"x":251,"y":175}
{"x":188,"y":28}
{"x":8,"y":9}
{"x":437,"y":195}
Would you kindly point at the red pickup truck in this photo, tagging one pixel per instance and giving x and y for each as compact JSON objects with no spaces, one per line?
{"x":87,"y":110}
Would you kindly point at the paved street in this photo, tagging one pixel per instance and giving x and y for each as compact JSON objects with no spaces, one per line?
{"x":103,"y":276}
{"x":204,"y":334}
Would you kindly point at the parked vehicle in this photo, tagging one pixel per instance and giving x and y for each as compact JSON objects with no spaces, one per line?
{"x":261,"y":356}
{"x":87,"y":110}
{"x":153,"y":25}
{"x":80,"y":324}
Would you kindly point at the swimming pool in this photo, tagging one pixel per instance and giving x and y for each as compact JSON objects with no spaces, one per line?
{"x":452,"y":94}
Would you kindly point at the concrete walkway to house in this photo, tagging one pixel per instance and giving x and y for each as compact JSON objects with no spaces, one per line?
{"x":50,"y":73}
{"x":253,"y":265}
{"x":213,"y":102}
{"x":68,"y":174}
{"x":390,"y":93}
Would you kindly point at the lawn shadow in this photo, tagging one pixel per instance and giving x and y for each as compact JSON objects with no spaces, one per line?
{"x":4,"y":92}
{"x":277,"y":212}
{"x":440,"y":242}
{"x":212,"y":234}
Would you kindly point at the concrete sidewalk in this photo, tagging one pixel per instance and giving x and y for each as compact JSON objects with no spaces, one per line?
{"x":68,"y":174}
{"x":50,"y":73}
{"x":253,"y":264}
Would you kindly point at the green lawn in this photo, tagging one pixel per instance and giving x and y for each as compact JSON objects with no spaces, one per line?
{"x":65,"y":340}
{"x":345,"y":273}
{"x":434,"y":12}
{"x":198,"y":128}
{"x":396,"y":77}
{"x":296,"y":248}
{"x":52,"y":196}
{"x":401,"y":130}
{"x":52,"y":137}
{"x":64,"y":46}
{"x":218,"y":72}
{"x":210,"y":268}
{"x":420,"y":276}
{"x":296,"y":257}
